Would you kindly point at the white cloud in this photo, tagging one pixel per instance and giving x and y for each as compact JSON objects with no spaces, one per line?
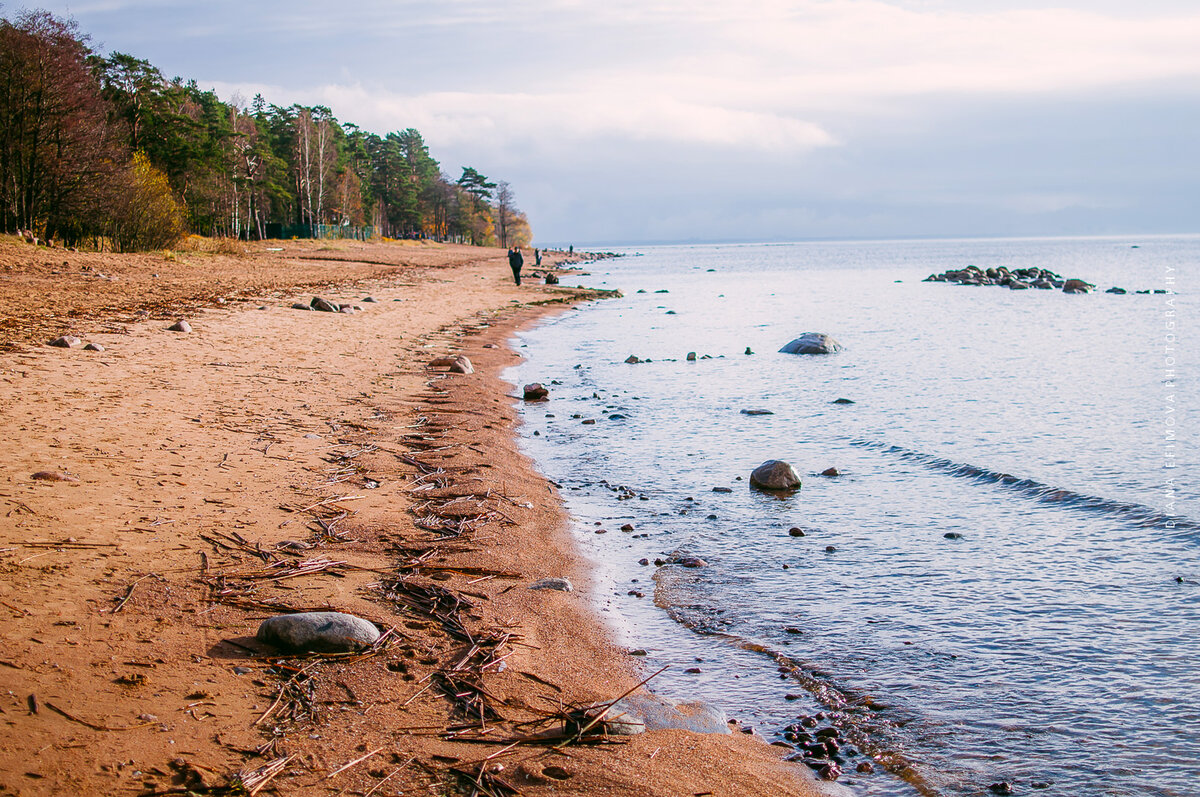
{"x":458,"y":118}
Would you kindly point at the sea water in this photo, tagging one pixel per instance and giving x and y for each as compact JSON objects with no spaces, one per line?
{"x":1051,"y":641}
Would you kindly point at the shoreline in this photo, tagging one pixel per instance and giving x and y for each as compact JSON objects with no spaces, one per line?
{"x":132,"y":593}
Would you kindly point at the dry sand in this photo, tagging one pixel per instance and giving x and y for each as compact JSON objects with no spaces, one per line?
{"x":131,"y":588}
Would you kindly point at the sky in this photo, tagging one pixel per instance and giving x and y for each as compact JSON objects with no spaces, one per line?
{"x":643,"y":121}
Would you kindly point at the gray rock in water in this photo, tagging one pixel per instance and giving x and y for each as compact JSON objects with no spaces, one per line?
{"x":633,"y":359}
{"x":691,"y":356}
{"x":843,"y":401}
{"x":1077,"y":286}
{"x":180,"y":326}
{"x":321,"y":632}
{"x":323,"y":305}
{"x":656,"y":713}
{"x":757,"y":412}
{"x":812,"y":343}
{"x":775,"y":474}
{"x":1116,"y":290}
{"x":560,"y":584}
{"x":66,"y":342}
{"x":1017,"y":285}
{"x":535,"y":391}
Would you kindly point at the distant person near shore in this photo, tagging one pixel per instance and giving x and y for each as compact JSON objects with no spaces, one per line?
{"x":537,"y":257}
{"x":515,"y":261}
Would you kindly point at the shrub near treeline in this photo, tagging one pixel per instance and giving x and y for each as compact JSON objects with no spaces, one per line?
{"x":101,"y":149}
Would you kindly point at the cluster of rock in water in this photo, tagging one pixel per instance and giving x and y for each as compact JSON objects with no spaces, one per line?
{"x":1019,"y":279}
{"x":822,"y":749}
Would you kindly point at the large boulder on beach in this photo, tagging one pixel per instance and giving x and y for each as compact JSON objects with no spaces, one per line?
{"x":318,"y":632}
{"x":812,"y":343}
{"x":775,"y":474}
{"x":642,"y":711}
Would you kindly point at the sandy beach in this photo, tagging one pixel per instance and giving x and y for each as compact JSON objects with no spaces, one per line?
{"x":190,"y":484}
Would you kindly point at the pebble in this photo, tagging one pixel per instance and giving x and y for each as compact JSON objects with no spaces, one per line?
{"x":627,"y":527}
{"x":93,"y":347}
{"x":324,"y":305}
{"x":560,"y":584}
{"x":53,"y":476}
{"x":66,"y":342}
{"x":643,"y":562}
{"x":180,"y":326}
{"x":865,"y":767}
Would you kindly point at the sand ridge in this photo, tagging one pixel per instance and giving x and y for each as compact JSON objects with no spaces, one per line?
{"x":278,"y":458}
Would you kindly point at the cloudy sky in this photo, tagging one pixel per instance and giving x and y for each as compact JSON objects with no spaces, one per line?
{"x":627,"y":121}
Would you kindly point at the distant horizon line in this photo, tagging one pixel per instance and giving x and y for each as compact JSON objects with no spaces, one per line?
{"x":595,"y":245}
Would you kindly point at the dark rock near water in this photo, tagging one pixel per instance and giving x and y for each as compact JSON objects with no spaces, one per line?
{"x":1077,"y":286}
{"x":370,"y":300}
{"x":1003,"y":787}
{"x":1116,"y":290}
{"x":691,"y":356}
{"x":775,"y":474}
{"x":842,"y":401}
{"x":865,"y":767}
{"x":952,"y":535}
{"x":831,"y":472}
{"x":812,"y":343}
{"x":633,"y":359}
{"x":66,"y":342}
{"x":300,"y":306}
{"x":93,"y":347}
{"x":321,"y":632}
{"x":324,"y":305}
{"x":722,"y":489}
{"x":551,"y":279}
{"x":796,"y":532}
{"x":757,"y":412}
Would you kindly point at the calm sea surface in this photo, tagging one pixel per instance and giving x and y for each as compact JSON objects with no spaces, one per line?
{"x":1054,"y":645}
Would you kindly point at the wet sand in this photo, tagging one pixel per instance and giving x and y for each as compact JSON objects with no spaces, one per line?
{"x":273,"y":460}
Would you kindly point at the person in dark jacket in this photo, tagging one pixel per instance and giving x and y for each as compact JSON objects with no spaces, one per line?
{"x":515,"y":261}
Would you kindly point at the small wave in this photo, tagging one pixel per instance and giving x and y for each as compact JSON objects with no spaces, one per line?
{"x":1143,"y":515}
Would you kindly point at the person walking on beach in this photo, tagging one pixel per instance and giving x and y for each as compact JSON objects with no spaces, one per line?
{"x":537,"y":257}
{"x":515,"y":261}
